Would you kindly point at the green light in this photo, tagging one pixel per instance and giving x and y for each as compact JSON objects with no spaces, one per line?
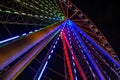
{"x":8,"y":11}
{"x":36,"y":15}
{"x":31,"y":5}
{"x":16,"y":12}
{"x":63,"y":17}
{"x":41,"y":16}
{"x":18,"y":0}
{"x":23,"y":13}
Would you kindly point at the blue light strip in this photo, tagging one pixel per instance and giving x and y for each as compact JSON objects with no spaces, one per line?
{"x":104,"y":61}
{"x":90,"y":58}
{"x":85,"y":58}
{"x":96,"y":45}
{"x":88,"y":53}
{"x":6,"y":40}
{"x":42,"y":70}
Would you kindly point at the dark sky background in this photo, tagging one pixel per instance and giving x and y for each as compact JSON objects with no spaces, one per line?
{"x":104,"y":13}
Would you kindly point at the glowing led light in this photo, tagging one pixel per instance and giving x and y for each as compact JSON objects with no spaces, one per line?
{"x":49,"y":57}
{"x":6,"y":40}
{"x":87,"y":62}
{"x":51,"y":51}
{"x":56,"y":42}
{"x":41,"y":28}
{"x":30,"y":32}
{"x":45,"y":17}
{"x":69,"y":38}
{"x":18,"y":0}
{"x":76,"y":78}
{"x":16,"y":12}
{"x":50,"y":18}
{"x":36,"y":15}
{"x":73,"y":64}
{"x":24,"y":34}
{"x":54,"y":46}
{"x":58,"y":38}
{"x":42,"y":70}
{"x":93,"y":74}
{"x":8,"y":11}
{"x":72,"y":57}
{"x":75,"y":70}
{"x":23,"y":13}
{"x":36,"y":30}
{"x":70,"y":42}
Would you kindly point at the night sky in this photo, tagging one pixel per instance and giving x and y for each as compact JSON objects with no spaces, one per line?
{"x":104,"y":14}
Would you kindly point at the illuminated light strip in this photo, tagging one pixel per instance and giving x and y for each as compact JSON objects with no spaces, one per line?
{"x":101,"y":68}
{"x":24,"y":34}
{"x":47,"y":6}
{"x":87,"y":63}
{"x":72,"y":55}
{"x":97,"y":46}
{"x":67,"y":58}
{"x":84,"y":56}
{"x":17,"y":12}
{"x":37,"y":7}
{"x":104,"y":72}
{"x":90,"y":57}
{"x":6,"y":40}
{"x":74,"y":68}
{"x":31,"y":14}
{"x":75,"y":59}
{"x":42,"y":70}
{"x":44,"y":9}
{"x":101,"y":58}
{"x":41,"y":73}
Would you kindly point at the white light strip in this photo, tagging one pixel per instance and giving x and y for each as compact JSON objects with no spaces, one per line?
{"x":6,"y":40}
{"x":42,"y":70}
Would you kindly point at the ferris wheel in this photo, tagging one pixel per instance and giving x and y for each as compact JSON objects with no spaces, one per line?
{"x":52,"y":40}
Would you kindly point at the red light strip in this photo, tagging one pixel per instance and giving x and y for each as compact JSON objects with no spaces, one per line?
{"x":75,"y":59}
{"x":67,"y":59}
